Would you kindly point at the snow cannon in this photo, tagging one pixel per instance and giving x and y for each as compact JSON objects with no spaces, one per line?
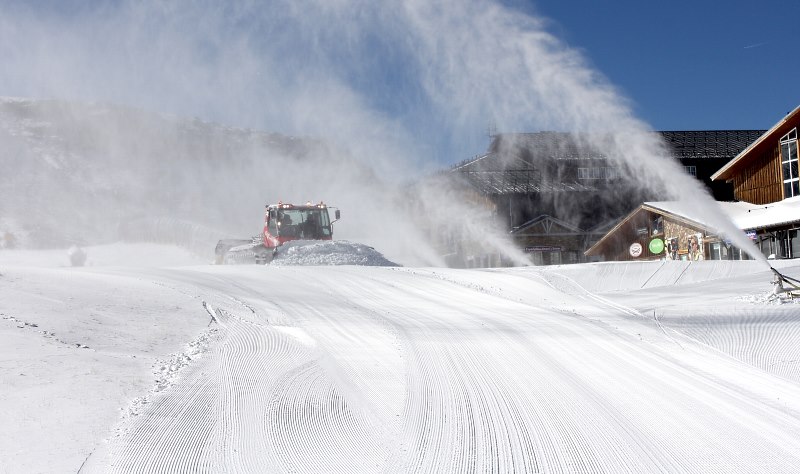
{"x":779,"y":279}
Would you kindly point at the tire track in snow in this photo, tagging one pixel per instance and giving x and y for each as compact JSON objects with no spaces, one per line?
{"x":359,"y":366}
{"x":483,"y":421}
{"x":764,"y":336}
{"x":629,"y":434}
{"x":405,"y":371}
{"x":451,"y":412}
{"x":214,"y":419}
{"x":314,"y":427}
{"x":731,"y":400}
{"x":724,"y":395}
{"x":243,"y":391}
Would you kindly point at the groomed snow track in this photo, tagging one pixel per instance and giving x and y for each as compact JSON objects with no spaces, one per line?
{"x":416,"y":370}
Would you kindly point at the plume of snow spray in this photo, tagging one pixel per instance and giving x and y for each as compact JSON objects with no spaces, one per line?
{"x":489,"y":59}
{"x":389,"y":85}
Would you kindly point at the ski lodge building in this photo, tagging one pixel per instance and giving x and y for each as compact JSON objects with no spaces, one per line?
{"x":558,"y":194}
{"x":766,"y":206}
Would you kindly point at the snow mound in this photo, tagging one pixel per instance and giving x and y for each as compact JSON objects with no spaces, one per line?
{"x":339,"y":252}
{"x":768,"y":298}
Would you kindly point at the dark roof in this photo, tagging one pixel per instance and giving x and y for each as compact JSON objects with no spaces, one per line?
{"x":546,"y":221}
{"x":513,"y":163}
{"x":724,"y":144}
{"x":520,"y":180}
{"x":552,"y":145}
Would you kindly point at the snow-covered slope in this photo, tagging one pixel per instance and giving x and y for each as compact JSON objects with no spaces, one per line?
{"x":88,"y":173}
{"x":92,"y":174}
{"x":395,"y":369}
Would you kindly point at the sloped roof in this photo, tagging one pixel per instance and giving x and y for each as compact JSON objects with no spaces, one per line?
{"x":519,"y":182}
{"x":550,"y":145}
{"x":713,"y":144}
{"x":603,"y":227}
{"x":774,"y":133}
{"x":679,"y":210}
{"x":547,"y":222}
{"x":514,"y":160}
{"x":748,"y":216}
{"x":744,"y":215}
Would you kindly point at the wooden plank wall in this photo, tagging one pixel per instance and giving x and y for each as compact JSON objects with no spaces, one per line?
{"x":761,"y":182}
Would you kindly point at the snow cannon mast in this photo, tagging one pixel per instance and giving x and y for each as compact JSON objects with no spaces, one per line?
{"x":778,"y":281}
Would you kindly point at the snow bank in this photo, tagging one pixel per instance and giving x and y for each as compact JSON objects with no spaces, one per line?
{"x":338,"y":252}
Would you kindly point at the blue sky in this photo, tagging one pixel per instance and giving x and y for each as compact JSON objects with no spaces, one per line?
{"x":690,"y":65}
{"x":418,"y":78}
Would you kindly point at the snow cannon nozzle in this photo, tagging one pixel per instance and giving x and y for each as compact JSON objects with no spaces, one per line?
{"x":783,"y":277}
{"x":778,"y":281}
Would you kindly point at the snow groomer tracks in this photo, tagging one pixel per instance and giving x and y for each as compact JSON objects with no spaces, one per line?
{"x":351,"y":369}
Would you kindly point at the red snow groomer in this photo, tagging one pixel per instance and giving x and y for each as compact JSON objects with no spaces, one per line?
{"x":282,"y":223}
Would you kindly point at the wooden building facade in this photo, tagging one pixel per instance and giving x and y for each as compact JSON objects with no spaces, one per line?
{"x":558,"y":194}
{"x":662,"y":231}
{"x":766,"y":171}
{"x":766,"y":188}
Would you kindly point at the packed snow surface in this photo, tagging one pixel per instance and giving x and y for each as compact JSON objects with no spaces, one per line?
{"x":192,"y":367}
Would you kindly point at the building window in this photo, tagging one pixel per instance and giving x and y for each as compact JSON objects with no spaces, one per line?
{"x":692,"y":170}
{"x":791,"y":180}
{"x":658,"y":225}
{"x":715,"y":251}
{"x":607,"y":173}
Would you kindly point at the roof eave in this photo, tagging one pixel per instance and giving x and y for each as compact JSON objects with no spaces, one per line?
{"x":649,"y":207}
{"x":590,"y":251}
{"x":725,"y":173}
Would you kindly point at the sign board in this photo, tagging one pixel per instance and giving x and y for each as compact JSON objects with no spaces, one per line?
{"x":635,"y":249}
{"x":542,"y":248}
{"x":656,"y":246}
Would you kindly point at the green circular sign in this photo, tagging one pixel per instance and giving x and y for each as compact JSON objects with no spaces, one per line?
{"x":656,"y":246}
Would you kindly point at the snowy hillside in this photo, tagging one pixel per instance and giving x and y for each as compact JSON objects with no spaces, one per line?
{"x":97,"y":173}
{"x":126,"y":366}
{"x":92,"y":174}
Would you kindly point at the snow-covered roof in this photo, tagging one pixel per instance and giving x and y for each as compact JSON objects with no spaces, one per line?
{"x":743,"y":214}
{"x":685,"y":209}
{"x":756,"y":216}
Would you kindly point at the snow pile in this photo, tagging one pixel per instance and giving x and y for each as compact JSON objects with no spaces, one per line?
{"x":166,"y":372}
{"x":769,"y":298}
{"x":339,"y":252}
